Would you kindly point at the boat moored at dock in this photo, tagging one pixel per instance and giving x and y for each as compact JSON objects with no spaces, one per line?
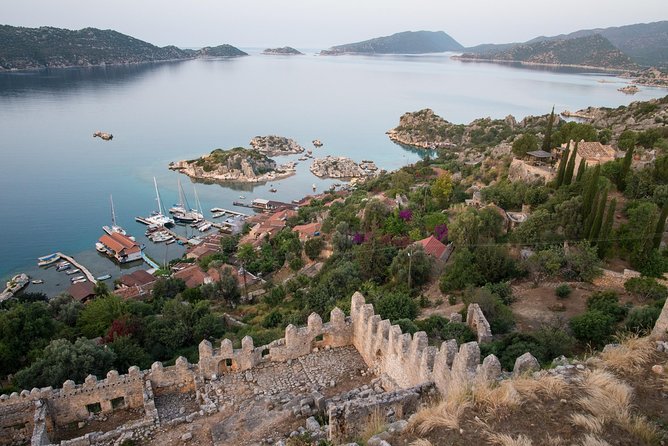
{"x":48,"y":260}
{"x":103,"y":277}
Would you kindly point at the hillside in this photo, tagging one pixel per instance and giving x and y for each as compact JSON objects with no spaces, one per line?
{"x":28,"y":48}
{"x":408,"y":42}
{"x":590,"y":51}
{"x":286,"y":50}
{"x":645,"y":43}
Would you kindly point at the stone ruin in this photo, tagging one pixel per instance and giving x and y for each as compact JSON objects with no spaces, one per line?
{"x":299,"y":374}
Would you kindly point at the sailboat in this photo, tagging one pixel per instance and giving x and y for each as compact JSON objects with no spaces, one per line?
{"x":158,"y":218}
{"x":182,"y":215}
{"x":114,"y":227}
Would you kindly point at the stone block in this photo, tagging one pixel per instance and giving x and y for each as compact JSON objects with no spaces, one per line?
{"x":526,"y":363}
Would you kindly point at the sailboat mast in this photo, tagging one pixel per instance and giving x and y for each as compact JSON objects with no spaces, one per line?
{"x":157,"y":196}
{"x":113,"y":214}
{"x":199,"y":205}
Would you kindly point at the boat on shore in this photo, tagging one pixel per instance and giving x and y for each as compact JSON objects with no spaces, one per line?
{"x":48,"y":260}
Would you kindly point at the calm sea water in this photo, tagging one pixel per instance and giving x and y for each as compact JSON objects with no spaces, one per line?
{"x":55,"y":179}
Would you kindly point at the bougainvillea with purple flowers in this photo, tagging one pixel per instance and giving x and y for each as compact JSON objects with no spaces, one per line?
{"x":358,"y":238}
{"x":441,"y":232}
{"x":406,"y":214}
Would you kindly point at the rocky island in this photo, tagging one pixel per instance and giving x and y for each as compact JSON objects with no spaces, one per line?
{"x":224,"y":50}
{"x":407,"y":42}
{"x":234,"y":165}
{"x":283,"y":51}
{"x":342,"y":167}
{"x":273,"y":145}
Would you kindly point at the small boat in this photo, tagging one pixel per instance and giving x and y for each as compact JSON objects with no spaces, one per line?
{"x":170,"y":241}
{"x":80,"y":280}
{"x":72,"y":271}
{"x":273,"y":189}
{"x":302,"y":158}
{"x":204,"y":227}
{"x":313,"y":187}
{"x":37,"y":281}
{"x":216,"y":210}
{"x":103,"y":277}
{"x":74,"y":279}
{"x":217,"y":214}
{"x":99,"y":247}
{"x":160,"y":236}
{"x":62,"y":266}
{"x":48,"y":260}
{"x":242,"y":197}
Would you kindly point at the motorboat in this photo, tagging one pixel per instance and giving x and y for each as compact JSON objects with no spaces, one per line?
{"x":48,"y":260}
{"x":75,"y":278}
{"x":38,"y":281}
{"x":103,"y":277}
{"x":72,"y":271}
{"x":62,"y":266}
{"x":79,"y":280}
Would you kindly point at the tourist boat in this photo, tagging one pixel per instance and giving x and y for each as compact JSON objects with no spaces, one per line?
{"x":103,"y":277}
{"x":217,"y":214}
{"x":74,"y":279}
{"x":114,"y":227}
{"x":273,"y":189}
{"x":157,"y":217}
{"x":72,"y":271}
{"x":38,"y":281}
{"x":48,"y":260}
{"x":62,"y":266}
{"x":100,"y":248}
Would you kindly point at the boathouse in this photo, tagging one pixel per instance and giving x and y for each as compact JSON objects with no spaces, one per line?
{"x":121,"y":247}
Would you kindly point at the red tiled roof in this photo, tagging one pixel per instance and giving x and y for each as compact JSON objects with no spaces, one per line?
{"x":193,"y":276}
{"x":82,"y":291}
{"x":433,"y":247}
{"x":308,"y":230}
{"x":119,"y":242}
{"x":139,"y":277}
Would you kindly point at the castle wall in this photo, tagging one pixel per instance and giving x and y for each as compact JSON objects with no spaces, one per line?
{"x":16,"y":419}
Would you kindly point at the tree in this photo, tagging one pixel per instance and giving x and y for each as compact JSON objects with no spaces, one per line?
{"x":626,"y":168}
{"x":574,"y":131}
{"x":582,"y":167}
{"x":524,"y":144}
{"x":538,"y":228}
{"x":598,"y":219}
{"x":582,"y":262}
{"x":499,"y":315}
{"x":660,"y":227}
{"x":313,"y":246}
{"x":544,"y":264}
{"x":603,"y":242}
{"x":441,"y":190}
{"x":411,"y":266}
{"x":464,"y":229}
{"x":462,"y":272}
{"x":547,"y":140}
{"x":561,"y":172}
{"x":494,"y":263}
{"x":593,"y":327}
{"x":98,"y":315}
{"x":374,"y":259}
{"x":63,"y":360}
{"x":375,"y":213}
{"x":570,"y":167}
{"x":627,"y":140}
{"x":396,"y":305}
{"x":168,"y":288}
{"x":228,"y":286}
{"x":128,"y":353}
{"x":589,"y":191}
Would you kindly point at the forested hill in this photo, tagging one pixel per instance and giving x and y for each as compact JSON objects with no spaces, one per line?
{"x":408,"y":42}
{"x":27,"y":48}
{"x":591,"y":51}
{"x":645,"y":43}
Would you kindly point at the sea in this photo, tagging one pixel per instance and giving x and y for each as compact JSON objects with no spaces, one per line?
{"x":56,"y":179}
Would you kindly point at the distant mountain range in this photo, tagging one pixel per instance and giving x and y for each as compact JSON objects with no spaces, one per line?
{"x":408,"y":42}
{"x":591,"y":51}
{"x":646,"y":44}
{"x":27,"y":48}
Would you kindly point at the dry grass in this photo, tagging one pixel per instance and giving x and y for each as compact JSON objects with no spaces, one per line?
{"x":421,"y":442}
{"x":492,"y":397}
{"x":444,"y":414}
{"x":555,"y":441}
{"x":374,"y":425}
{"x":507,"y":440}
{"x":633,"y":354}
{"x":551,"y":386}
{"x":587,"y":422}
{"x":591,"y":440}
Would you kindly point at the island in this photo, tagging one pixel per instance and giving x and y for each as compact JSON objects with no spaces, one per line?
{"x":407,"y":42}
{"x":47,"y":47}
{"x":283,"y":51}
{"x":239,"y":165}
{"x":342,"y":167}
{"x":594,"y":51}
{"x":273,"y":145}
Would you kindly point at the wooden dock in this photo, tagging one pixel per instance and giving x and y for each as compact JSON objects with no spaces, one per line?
{"x":84,"y":270}
{"x":227,"y":211}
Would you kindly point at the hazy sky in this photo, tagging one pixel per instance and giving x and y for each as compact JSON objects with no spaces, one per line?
{"x":323,"y":23}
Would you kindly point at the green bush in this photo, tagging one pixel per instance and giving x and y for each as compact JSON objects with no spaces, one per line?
{"x":396,"y":305}
{"x":407,"y":326}
{"x":641,"y":320}
{"x":499,"y":315}
{"x":563,"y":291}
{"x":272,"y":319}
{"x":607,"y":302}
{"x":594,"y":327}
{"x":462,"y":333}
{"x":646,"y":288}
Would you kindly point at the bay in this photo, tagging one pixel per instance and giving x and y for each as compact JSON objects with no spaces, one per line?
{"x":55,"y":178}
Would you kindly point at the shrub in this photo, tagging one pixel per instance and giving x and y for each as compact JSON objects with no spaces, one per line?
{"x":407,"y":326}
{"x":503,"y":290}
{"x":594,"y":327}
{"x":563,"y":291}
{"x":462,"y":333}
{"x":646,"y":288}
{"x":641,"y":320}
{"x":396,"y":305}
{"x":272,"y":319}
{"x":499,"y":315}
{"x":313,"y":247}
{"x":607,"y":302}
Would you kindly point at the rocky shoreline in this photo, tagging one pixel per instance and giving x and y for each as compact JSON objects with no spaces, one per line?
{"x":342,"y":167}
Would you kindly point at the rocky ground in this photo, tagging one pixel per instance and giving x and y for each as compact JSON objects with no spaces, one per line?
{"x":273,"y":145}
{"x":341,"y":167}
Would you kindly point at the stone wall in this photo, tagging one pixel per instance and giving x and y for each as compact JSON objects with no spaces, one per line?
{"x":478,"y":322}
{"x":661,"y":327}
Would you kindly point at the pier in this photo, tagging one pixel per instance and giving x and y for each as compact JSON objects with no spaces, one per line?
{"x":83,"y":269}
{"x":227,"y":211}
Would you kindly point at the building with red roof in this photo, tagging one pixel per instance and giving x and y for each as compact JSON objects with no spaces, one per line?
{"x":120,"y":247}
{"x":433,"y":247}
{"x":82,"y":291}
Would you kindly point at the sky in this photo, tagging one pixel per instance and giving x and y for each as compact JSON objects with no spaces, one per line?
{"x":319,"y":24}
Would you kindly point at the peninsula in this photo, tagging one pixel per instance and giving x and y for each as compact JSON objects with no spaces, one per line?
{"x":47,"y":47}
{"x":407,"y":42}
{"x":342,"y":167}
{"x":234,"y":165}
{"x":283,"y":51}
{"x":273,"y":145}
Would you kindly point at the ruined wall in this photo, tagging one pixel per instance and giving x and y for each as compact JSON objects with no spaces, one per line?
{"x":661,"y":327}
{"x":180,"y":376}
{"x":478,"y":322}
{"x":297,"y":342}
{"x":16,"y":418}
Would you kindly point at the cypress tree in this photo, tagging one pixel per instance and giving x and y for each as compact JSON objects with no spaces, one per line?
{"x":589,"y":222}
{"x":562,"y":168}
{"x":626,"y":167}
{"x":660,"y":226}
{"x":568,"y":175}
{"x":604,"y":237}
{"x":547,"y":141}
{"x":589,"y":191}
{"x":598,"y":220}
{"x":581,"y":170}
